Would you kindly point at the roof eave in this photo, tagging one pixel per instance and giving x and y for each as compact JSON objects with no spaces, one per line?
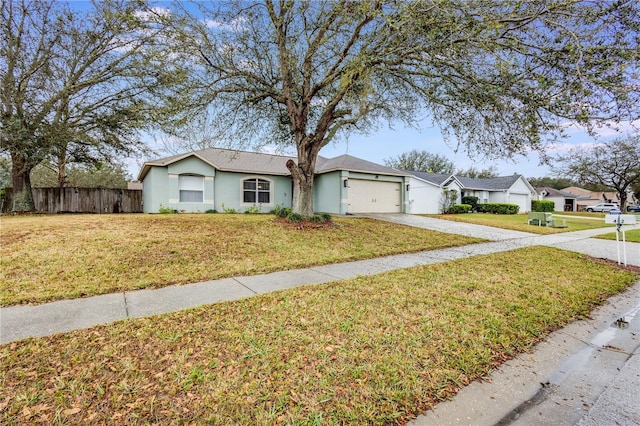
{"x":430,"y":182}
{"x":147,"y":166}
{"x":371,"y":172}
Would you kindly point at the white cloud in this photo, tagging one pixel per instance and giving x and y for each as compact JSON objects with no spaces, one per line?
{"x":565,"y":147}
{"x":608,"y":129}
{"x":278,"y":150}
{"x":233,"y":25}
{"x":147,"y":15}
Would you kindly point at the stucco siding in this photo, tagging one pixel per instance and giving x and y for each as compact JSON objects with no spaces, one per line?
{"x":328,"y":192}
{"x":191,"y":165}
{"x":423,"y":197}
{"x":520,"y":187}
{"x":453,"y":186}
{"x":161,"y":187}
{"x":229,"y":191}
{"x":558,"y":203}
{"x":154,"y":190}
{"x":497,"y":197}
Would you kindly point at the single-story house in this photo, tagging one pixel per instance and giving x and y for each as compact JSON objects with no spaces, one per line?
{"x":564,"y":201}
{"x":427,"y":189}
{"x":218,"y":179}
{"x":591,"y":198}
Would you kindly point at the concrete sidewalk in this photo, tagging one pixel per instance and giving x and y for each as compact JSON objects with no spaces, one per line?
{"x":593,"y":388}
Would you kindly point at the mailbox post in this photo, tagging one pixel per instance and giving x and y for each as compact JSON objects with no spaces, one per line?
{"x":620,"y":220}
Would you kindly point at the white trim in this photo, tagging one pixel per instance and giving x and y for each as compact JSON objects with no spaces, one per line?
{"x":192,"y":184}
{"x":271,"y":191}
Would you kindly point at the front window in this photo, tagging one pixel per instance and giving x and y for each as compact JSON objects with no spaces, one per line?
{"x":191,"y":189}
{"x":256,"y":191}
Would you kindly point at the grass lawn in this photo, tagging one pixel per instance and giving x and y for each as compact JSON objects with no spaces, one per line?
{"x":371,"y":350}
{"x":518,"y":222}
{"x":632,"y":236}
{"x":45,"y":258}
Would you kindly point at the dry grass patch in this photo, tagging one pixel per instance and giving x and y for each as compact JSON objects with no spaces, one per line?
{"x":371,"y":350}
{"x":518,"y":222}
{"x":44,"y":258}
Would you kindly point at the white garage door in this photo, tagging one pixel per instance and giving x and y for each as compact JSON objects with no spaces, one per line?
{"x":370,"y":196}
{"x":521,"y":200}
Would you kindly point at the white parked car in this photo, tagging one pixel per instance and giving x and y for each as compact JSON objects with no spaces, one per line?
{"x":602,"y":207}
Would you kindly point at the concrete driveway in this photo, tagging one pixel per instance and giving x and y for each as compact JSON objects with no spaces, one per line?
{"x":578,"y":241}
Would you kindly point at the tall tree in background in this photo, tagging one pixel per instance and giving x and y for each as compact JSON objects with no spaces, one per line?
{"x":615,"y":165}
{"x":499,"y":76}
{"x":551,"y":182}
{"x":421,"y":161}
{"x":95,"y":175}
{"x":472,"y":172}
{"x":75,"y":86}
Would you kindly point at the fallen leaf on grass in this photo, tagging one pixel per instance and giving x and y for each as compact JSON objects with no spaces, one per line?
{"x":71,"y":411}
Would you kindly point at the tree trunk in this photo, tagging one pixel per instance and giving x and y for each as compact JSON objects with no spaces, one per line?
{"x":303,"y":175}
{"x":62,"y":171}
{"x":623,"y":199}
{"x":302,"y":201}
{"x":22,"y":199}
{"x":62,"y":177}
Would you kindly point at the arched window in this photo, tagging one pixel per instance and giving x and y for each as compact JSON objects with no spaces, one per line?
{"x":257,"y":191}
{"x":191,"y":188}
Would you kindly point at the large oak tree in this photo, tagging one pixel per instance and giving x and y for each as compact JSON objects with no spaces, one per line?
{"x":614,"y":164}
{"x":500,"y":77}
{"x":75,"y":85}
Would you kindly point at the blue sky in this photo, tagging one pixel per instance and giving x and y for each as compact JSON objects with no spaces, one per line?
{"x":386,"y":143}
{"x":391,"y":143}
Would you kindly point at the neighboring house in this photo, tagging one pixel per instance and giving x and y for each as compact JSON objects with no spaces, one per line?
{"x":564,"y":201}
{"x":514,"y":189}
{"x":134,"y":185}
{"x":218,"y":179}
{"x":426,"y":191}
{"x":590,"y":198}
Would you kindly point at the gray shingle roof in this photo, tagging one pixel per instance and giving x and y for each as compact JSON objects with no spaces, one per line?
{"x":247,"y":162}
{"x":230,"y":160}
{"x":353,"y":164}
{"x":435,"y":178}
{"x":490,"y":184}
{"x":271,"y":164}
{"x":484,"y":184}
{"x":558,"y":193}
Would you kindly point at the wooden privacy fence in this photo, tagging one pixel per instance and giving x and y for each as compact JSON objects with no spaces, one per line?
{"x":82,"y":200}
